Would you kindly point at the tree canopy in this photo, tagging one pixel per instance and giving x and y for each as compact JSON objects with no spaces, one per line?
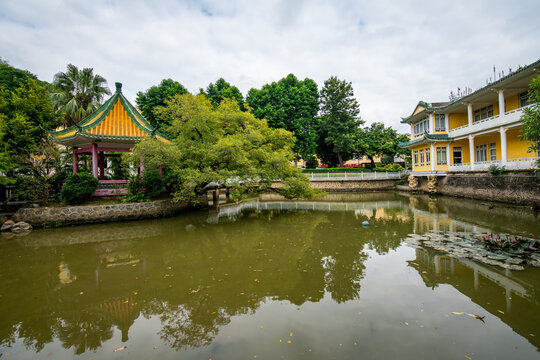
{"x":531,"y":117}
{"x":290,"y":104}
{"x":11,"y":77}
{"x":223,"y":90}
{"x":223,"y":145}
{"x":378,"y":140}
{"x":78,"y":93}
{"x":340,"y":120}
{"x":155,"y":96}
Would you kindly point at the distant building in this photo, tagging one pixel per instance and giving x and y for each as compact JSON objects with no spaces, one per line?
{"x":475,"y":131}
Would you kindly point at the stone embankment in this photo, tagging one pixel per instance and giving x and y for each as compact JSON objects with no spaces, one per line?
{"x":73,"y":215}
{"x":349,"y":185}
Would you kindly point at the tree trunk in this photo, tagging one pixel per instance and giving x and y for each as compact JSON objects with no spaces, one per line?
{"x":372,"y":161}
{"x":340,"y":159}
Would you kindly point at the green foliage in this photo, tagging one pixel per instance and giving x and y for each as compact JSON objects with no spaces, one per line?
{"x":148,"y":101}
{"x":531,"y":118}
{"x":119,"y":169}
{"x":340,"y":121}
{"x":78,"y":93}
{"x":298,"y":187}
{"x":312,"y":162}
{"x":292,"y":105}
{"x":389,"y":167}
{"x":379,"y":140}
{"x":223,"y":90}
{"x":79,"y":187}
{"x":399,"y":182}
{"x":11,"y":78}
{"x":223,"y":145}
{"x":496,"y":169}
{"x":152,"y":183}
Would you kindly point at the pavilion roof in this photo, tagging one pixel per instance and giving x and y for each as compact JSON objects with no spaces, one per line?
{"x":115,"y":120}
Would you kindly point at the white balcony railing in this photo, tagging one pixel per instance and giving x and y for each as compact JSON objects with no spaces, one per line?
{"x":511,"y":164}
{"x":493,"y":122}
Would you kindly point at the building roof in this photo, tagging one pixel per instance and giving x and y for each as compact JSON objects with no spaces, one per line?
{"x":495,"y":84}
{"x":426,"y":138}
{"x":114,"y":121}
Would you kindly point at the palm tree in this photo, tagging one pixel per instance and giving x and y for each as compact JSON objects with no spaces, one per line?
{"x":78,"y":93}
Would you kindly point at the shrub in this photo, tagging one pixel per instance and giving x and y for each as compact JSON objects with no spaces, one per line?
{"x":496,"y":169}
{"x":78,"y":188}
{"x":311,"y":162}
{"x":152,"y":183}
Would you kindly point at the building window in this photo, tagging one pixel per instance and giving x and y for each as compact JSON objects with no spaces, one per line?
{"x":416,"y":158}
{"x":428,"y":157}
{"x":441,"y":156}
{"x":483,"y":113}
{"x":422,"y":157}
{"x":421,"y":126}
{"x":440,"y":122}
{"x":458,"y":155}
{"x":481,"y":153}
{"x":492,"y":152}
{"x":524,"y":99}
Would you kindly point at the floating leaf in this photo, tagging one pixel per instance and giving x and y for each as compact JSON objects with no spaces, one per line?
{"x":468,"y":357}
{"x":458,"y":313}
{"x":120,"y":349}
{"x":502,"y":312}
{"x":406,"y":323}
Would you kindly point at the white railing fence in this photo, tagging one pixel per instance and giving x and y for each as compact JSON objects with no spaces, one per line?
{"x":511,"y":164}
{"x":360,"y":175}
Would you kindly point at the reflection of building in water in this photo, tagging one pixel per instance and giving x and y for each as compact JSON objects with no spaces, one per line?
{"x":425,"y":221}
{"x":499,"y":292}
{"x":124,"y":313}
{"x":359,"y":208}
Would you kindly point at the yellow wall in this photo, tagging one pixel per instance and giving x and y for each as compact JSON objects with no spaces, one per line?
{"x":495,"y":108}
{"x":464,"y":144}
{"x":457,"y":119}
{"x":425,"y":167}
{"x":488,"y":139}
{"x":511,"y":102}
{"x":517,"y":149}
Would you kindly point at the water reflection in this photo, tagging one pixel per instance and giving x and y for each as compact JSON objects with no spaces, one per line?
{"x":198,"y":271}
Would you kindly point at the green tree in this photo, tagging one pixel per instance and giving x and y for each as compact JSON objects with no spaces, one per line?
{"x":78,"y":93}
{"x":292,"y":105}
{"x":155,"y":96}
{"x":223,"y":90}
{"x":11,"y":77}
{"x":340,"y":121}
{"x":531,"y":118}
{"x":223,"y":145}
{"x":378,"y":140}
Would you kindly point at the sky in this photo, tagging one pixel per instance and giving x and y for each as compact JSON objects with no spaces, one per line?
{"x":395,"y":53}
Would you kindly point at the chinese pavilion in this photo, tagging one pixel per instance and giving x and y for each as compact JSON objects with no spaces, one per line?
{"x":116,"y":126}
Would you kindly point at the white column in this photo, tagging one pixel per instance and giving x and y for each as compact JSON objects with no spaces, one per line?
{"x":469,"y":114}
{"x":432,"y":157}
{"x":431,"y":123}
{"x":471,"y":150}
{"x":502,"y":107}
{"x":447,"y":122}
{"x":504,"y":154}
{"x":448,"y":156}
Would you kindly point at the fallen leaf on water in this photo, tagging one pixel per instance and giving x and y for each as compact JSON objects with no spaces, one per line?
{"x":289,"y":341}
{"x":502,"y":312}
{"x":458,"y":313}
{"x":82,"y":292}
{"x":213,"y":312}
{"x":125,"y":302}
{"x":468,"y":357}
{"x":261,"y":326}
{"x":481,"y":318}
{"x":340,"y":344}
{"x":290,"y":334}
{"x":120,"y":349}
{"x":280,"y":340}
{"x":531,"y":335}
{"x":135,"y":293}
{"x":446,"y":315}
{"x":406,"y":323}
{"x":155,"y":347}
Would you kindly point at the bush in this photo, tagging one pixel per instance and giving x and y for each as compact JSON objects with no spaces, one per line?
{"x":311,"y":162}
{"x":153,"y":183}
{"x":79,"y":187}
{"x":389,"y":167}
{"x":496,"y":169}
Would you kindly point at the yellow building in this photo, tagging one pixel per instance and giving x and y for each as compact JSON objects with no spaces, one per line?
{"x":475,"y":131}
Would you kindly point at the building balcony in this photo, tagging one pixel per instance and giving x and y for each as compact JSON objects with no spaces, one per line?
{"x":508,"y":118}
{"x":511,"y":164}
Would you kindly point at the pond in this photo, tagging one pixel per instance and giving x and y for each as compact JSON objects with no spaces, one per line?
{"x":271,"y":279}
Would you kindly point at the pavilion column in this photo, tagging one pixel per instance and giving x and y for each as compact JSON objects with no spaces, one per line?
{"x":75,"y":161}
{"x":471,"y":151}
{"x":504,"y":153}
{"x":101,"y":165}
{"x":502,"y":107}
{"x":433,"y":158}
{"x":95,"y":160}
{"x":470,"y":117}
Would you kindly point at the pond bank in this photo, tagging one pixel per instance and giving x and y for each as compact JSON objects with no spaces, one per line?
{"x":88,"y":214}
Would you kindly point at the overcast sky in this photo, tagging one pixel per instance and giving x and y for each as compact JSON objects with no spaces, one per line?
{"x":394,"y":52}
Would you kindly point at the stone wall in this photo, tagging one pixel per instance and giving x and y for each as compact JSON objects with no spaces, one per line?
{"x":348,"y":185}
{"x":521,"y":188}
{"x":72,"y":215}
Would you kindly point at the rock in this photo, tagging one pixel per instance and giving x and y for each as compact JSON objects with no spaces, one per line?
{"x":20,"y":227}
{"x":7,"y":225}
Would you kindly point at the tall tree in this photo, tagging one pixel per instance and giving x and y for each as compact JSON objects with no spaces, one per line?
{"x":378,"y":140}
{"x":78,"y":93}
{"x":155,"y":96}
{"x":223,"y":90}
{"x":340,"y":120}
{"x":290,"y":104}
{"x":531,"y":118}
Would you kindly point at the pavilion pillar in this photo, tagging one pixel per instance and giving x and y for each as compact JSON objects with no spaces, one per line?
{"x":95,"y":160}
{"x":75,"y":161}
{"x":502,"y":107}
{"x":101,"y":165}
{"x":470,"y":117}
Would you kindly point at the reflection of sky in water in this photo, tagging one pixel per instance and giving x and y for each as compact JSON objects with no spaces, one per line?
{"x":232,"y":284}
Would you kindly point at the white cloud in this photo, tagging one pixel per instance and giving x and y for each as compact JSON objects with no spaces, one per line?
{"x":395,"y":53}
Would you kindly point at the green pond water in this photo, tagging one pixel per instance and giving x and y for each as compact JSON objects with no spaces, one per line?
{"x":271,"y":279}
